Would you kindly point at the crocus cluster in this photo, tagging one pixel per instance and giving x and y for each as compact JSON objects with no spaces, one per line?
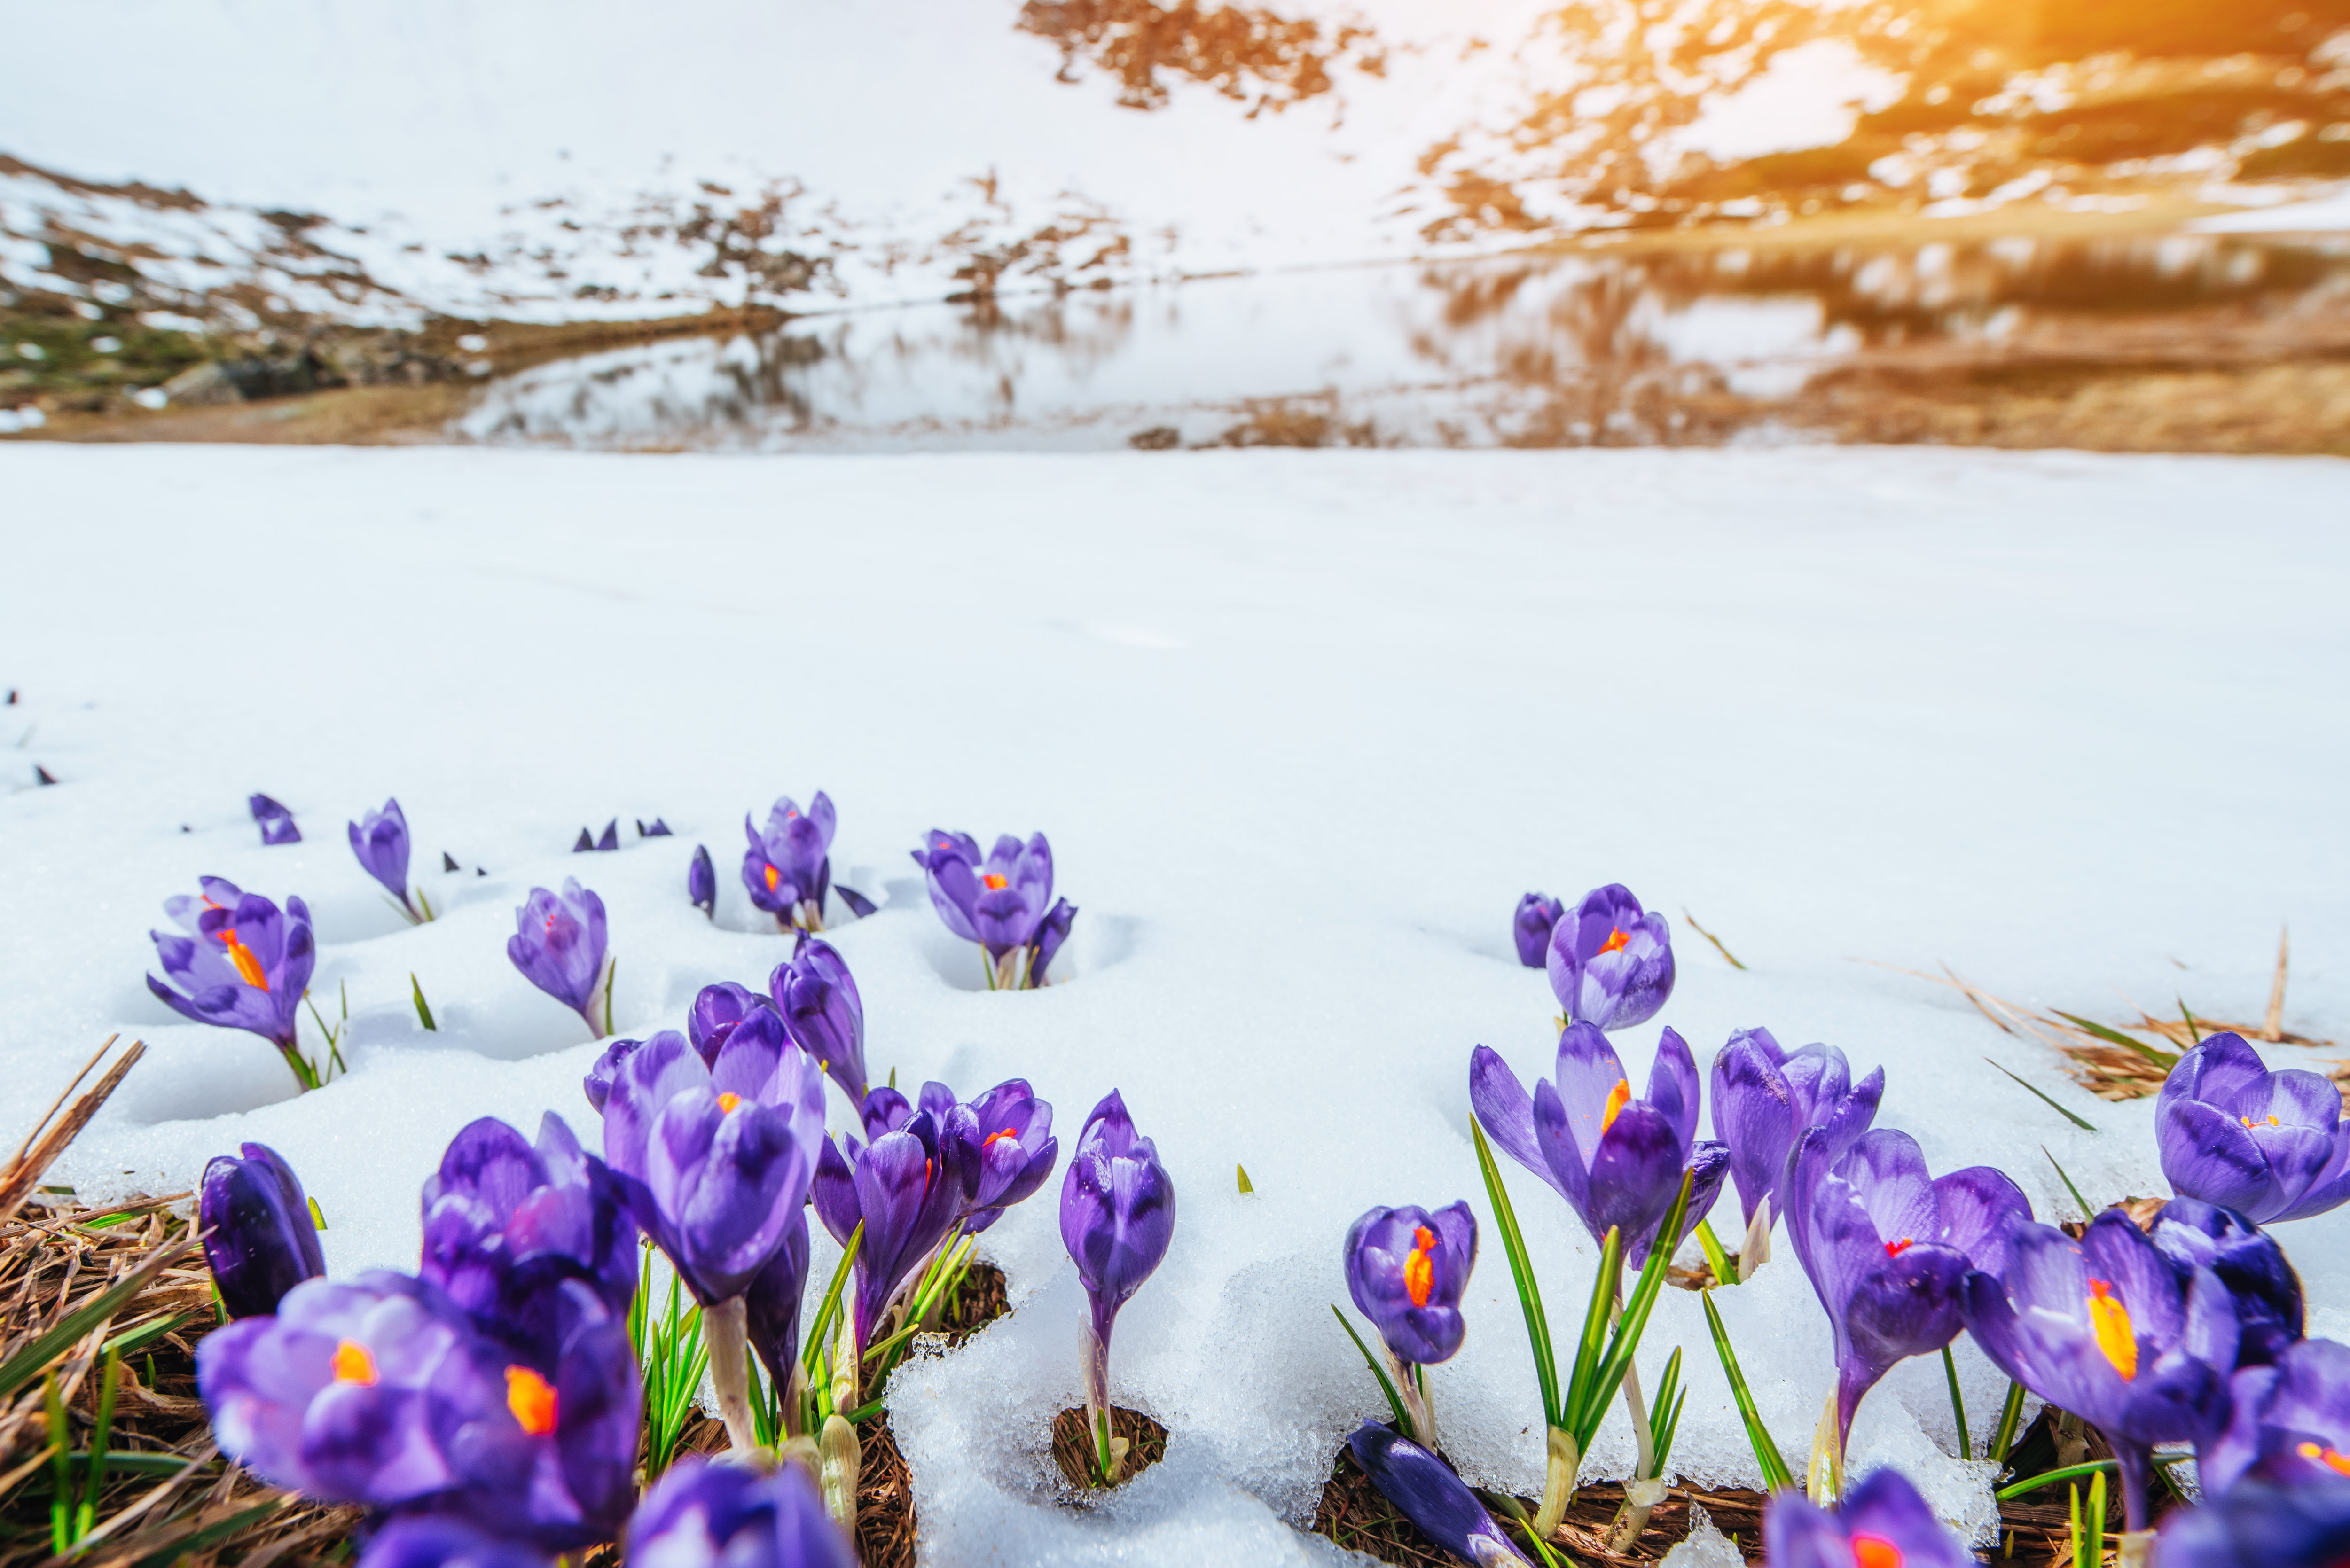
{"x":380,"y":840}
{"x":1003,"y":902}
{"x":1117,"y":1216}
{"x":559,"y":945}
{"x":495,"y":1389}
{"x":788,"y":867}
{"x":238,"y":963}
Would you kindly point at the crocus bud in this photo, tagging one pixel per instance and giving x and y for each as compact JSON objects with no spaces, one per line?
{"x":1406,"y":1269}
{"x":817,"y":998}
{"x":598,"y":1081}
{"x":2270,"y":1146}
{"x":263,"y":1241}
{"x":787,"y":868}
{"x":1882,"y":1520}
{"x":2111,"y":1329}
{"x":238,"y":963}
{"x":1050,"y":935}
{"x":771,"y":1306}
{"x":559,"y":945}
{"x":1537,"y":914}
{"x":717,"y":1010}
{"x":1010,"y":1146}
{"x":276,"y":822}
{"x":704,"y":1515}
{"x":1117,"y":1217}
{"x":701,"y":883}
{"x":1610,"y":964}
{"x":379,"y":838}
{"x":1426,"y":1491}
{"x":1765,"y":1097}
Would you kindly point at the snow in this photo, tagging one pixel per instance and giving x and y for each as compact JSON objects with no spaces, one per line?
{"x":1302,"y":727}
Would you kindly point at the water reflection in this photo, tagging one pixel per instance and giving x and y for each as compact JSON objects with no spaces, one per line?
{"x":1695,"y":345}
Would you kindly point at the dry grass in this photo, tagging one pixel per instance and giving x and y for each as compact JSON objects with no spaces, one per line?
{"x":346,"y":416}
{"x":2111,"y":1065}
{"x":1073,"y":1445}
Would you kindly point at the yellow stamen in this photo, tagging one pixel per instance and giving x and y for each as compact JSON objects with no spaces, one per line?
{"x":354,"y":1363}
{"x":991,"y":1138}
{"x":1617,"y":1097}
{"x":2249,"y":1123}
{"x":1895,"y":1249}
{"x":2111,"y":1321}
{"x":1615,"y":942}
{"x":1875,"y":1552}
{"x":995,"y":884}
{"x":729,"y":1100}
{"x":1419,"y":1268}
{"x":242,"y":956}
{"x":532,"y":1399}
{"x":774,"y":878}
{"x":2332,"y":1459}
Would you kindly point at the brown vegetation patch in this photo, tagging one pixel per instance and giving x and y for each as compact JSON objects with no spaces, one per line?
{"x":1073,"y":1445}
{"x":977,"y":1302}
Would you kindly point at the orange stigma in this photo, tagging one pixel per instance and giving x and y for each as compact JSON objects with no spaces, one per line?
{"x":1419,"y":1268}
{"x":2249,"y":1123}
{"x":1617,"y":1098}
{"x":729,"y":1100}
{"x":354,"y":1363}
{"x":2111,"y":1321}
{"x":532,"y":1399}
{"x":1895,"y":1249}
{"x":1615,"y":942}
{"x":1875,"y":1552}
{"x":992,"y":1138}
{"x":2332,"y":1459}
{"x":773,"y":877}
{"x":995,"y":884}
{"x":242,"y":956}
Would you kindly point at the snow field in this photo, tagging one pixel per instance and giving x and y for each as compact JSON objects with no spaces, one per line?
{"x":1302,"y":727}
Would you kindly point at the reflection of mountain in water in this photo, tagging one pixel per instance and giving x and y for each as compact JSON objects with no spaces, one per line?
{"x":1611,"y":348}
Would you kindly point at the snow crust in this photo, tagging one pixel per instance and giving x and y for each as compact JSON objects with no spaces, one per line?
{"x":1302,"y":727}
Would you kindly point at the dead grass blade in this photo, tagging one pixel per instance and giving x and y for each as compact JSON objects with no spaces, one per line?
{"x":41,"y":1149}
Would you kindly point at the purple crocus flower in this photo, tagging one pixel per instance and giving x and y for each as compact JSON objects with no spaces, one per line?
{"x":701,"y":883}
{"x":379,"y":838}
{"x":1537,"y":916}
{"x":381,"y":1392}
{"x":1610,"y":963}
{"x":262,"y":1240}
{"x":1616,"y":1160}
{"x":908,"y":1186}
{"x":2268,"y":1311}
{"x":2261,"y":1525}
{"x":2270,"y":1146}
{"x":999,"y":902}
{"x":559,"y":945}
{"x":705,"y":1515}
{"x":1881,"y":1523}
{"x":2110,"y":1329}
{"x":1117,"y":1217}
{"x":442,"y":1540}
{"x":716,"y":1012}
{"x":505,"y":1224}
{"x":1426,"y":1491}
{"x":1765,"y":1097}
{"x":817,"y":998}
{"x":2290,"y":1423}
{"x":277,"y":823}
{"x":772,"y":1308}
{"x":238,"y":964}
{"x":1050,"y":934}
{"x":1008,"y":1144}
{"x":788,"y":868}
{"x":714,"y":1160}
{"x":1888,"y":1249}
{"x":1406,"y":1269}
